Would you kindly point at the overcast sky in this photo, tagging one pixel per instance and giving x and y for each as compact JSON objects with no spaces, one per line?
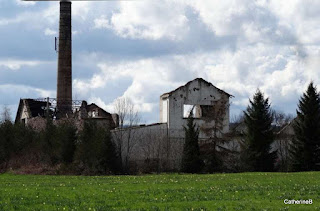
{"x":144,"y":48}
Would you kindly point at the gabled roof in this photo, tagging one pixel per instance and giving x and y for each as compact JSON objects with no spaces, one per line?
{"x":93,"y":106}
{"x":201,"y":80}
{"x":288,"y":128}
{"x":101,"y":112}
{"x":34,"y":108}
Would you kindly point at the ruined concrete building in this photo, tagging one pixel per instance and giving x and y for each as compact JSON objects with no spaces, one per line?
{"x":198,"y":97}
{"x":162,"y":143}
{"x":101,"y":116}
{"x":33,"y":112}
{"x":30,"y":108}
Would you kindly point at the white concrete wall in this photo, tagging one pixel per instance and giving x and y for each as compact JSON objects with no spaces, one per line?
{"x":145,"y":142}
{"x":24,"y":114}
{"x":164,"y":105}
{"x":195,"y":93}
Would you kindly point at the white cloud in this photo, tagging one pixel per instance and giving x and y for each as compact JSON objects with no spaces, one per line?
{"x":16,"y":64}
{"x":25,"y":3}
{"x":271,"y":44}
{"x":23,"y":91}
{"x":302,"y":16}
{"x":249,"y":21}
{"x":147,"y":20}
{"x":81,"y":9}
{"x":276,"y":70}
{"x":75,"y":32}
{"x":7,"y":21}
{"x":50,"y":32}
{"x":102,"y":22}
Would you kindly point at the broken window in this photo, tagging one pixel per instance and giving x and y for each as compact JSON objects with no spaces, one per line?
{"x":93,"y":113}
{"x":197,"y":111}
{"x":206,"y":110}
{"x":193,"y":110}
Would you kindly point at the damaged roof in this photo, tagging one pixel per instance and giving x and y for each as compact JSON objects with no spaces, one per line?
{"x":34,"y":108}
{"x":200,"y":80}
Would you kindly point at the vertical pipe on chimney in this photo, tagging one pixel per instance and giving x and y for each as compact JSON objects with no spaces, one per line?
{"x":64,"y":82}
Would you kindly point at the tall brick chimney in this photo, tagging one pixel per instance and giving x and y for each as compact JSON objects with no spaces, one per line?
{"x":64,"y":82}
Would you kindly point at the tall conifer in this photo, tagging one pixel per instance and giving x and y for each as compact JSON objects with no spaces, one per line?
{"x":259,"y":136}
{"x":305,"y":147}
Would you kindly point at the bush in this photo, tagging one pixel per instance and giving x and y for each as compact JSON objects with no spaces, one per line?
{"x":67,"y":136}
{"x":6,"y":141}
{"x":95,"y":152}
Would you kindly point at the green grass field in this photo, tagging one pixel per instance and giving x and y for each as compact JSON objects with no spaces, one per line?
{"x":244,"y":191}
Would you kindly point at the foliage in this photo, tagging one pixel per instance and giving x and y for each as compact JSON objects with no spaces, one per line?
{"x":305,"y":148}
{"x":67,"y":136}
{"x":6,"y":140}
{"x":191,"y":161}
{"x":49,"y":144}
{"x":245,"y":191}
{"x":14,"y":138}
{"x":55,"y":145}
{"x":259,"y":135}
{"x":96,"y":153}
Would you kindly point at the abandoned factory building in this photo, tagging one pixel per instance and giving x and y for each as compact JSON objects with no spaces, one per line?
{"x":160,"y":143}
{"x":33,"y":112}
{"x":163,"y":142}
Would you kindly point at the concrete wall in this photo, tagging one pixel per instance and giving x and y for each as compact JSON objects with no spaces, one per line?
{"x":24,"y":114}
{"x":196,"y":92}
{"x":142,"y":143}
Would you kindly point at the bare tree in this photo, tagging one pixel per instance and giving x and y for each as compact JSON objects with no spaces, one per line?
{"x":5,"y":114}
{"x":216,"y":117}
{"x":153,"y":146}
{"x":125,"y":135}
{"x":237,"y":119}
{"x":283,"y":138}
{"x":216,"y":120}
{"x":281,"y":119}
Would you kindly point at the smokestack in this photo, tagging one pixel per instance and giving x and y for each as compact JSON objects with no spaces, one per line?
{"x":64,"y":83}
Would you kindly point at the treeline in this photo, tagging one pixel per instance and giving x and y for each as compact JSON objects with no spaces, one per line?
{"x":63,"y":148}
{"x":262,"y":147}
{"x":58,"y":149}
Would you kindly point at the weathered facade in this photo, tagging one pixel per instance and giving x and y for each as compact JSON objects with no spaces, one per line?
{"x":94,"y":112}
{"x":158,"y":145}
{"x":199,"y":96}
{"x":163,"y":142}
{"x":30,"y":108}
{"x":34,"y":112}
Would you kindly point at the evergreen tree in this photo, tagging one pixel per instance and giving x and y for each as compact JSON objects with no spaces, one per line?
{"x":259,"y":135}
{"x":6,"y":140}
{"x":50,"y":144}
{"x":95,"y":152}
{"x":67,"y":136}
{"x":14,"y":138}
{"x":191,"y":161}
{"x":305,"y":148}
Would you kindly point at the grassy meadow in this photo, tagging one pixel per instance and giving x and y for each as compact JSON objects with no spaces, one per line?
{"x":241,"y":191}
